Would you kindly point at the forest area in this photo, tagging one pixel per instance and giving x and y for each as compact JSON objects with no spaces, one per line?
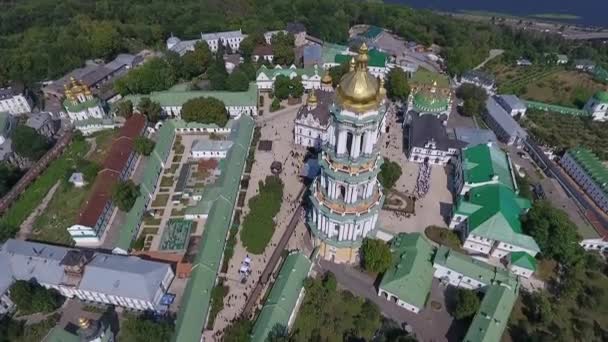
{"x":43,"y":39}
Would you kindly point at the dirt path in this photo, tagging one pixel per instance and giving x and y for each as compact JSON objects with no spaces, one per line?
{"x":27,"y":225}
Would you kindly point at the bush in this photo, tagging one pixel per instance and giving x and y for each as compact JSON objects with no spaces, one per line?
{"x":389,"y":174}
{"x":205,"y":110}
{"x":258,"y":225}
{"x":467,"y":304}
{"x":217,"y":302}
{"x":143,"y":146}
{"x":275,"y":105}
{"x":376,"y":255}
{"x":125,"y":194}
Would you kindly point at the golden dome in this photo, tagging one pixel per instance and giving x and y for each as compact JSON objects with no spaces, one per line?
{"x":84,"y":323}
{"x":359,"y":90}
{"x":326,"y":78}
{"x":312,"y":98}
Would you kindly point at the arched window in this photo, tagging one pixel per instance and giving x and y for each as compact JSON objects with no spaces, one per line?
{"x":349,"y":143}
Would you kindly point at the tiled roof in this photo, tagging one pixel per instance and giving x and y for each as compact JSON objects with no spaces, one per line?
{"x":262,"y":50}
{"x":491,"y":320}
{"x":592,"y":165}
{"x":283,"y":296}
{"x":411,"y":273}
{"x":483,"y":162}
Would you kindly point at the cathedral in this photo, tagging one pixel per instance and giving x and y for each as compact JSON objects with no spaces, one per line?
{"x":346,"y":197}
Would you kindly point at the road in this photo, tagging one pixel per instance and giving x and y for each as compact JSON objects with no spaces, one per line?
{"x":493,"y":54}
{"x":428,"y":325}
{"x":275,"y":257}
{"x":595,"y":215}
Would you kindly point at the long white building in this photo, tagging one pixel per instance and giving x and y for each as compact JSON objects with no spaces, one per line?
{"x":14,"y":100}
{"x":125,"y":281}
{"x":589,"y":173}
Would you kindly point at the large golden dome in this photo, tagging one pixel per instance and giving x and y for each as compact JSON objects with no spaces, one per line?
{"x":359,"y":90}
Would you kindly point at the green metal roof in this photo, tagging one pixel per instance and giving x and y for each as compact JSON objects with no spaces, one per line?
{"x":329,"y":52}
{"x":271,"y":73}
{"x":376,"y":58}
{"x":523,"y":259}
{"x":493,"y":211}
{"x":283,"y":296}
{"x":601,"y":96}
{"x":372,"y":32}
{"x":129,"y":229}
{"x":491,"y":320}
{"x":471,"y":267}
{"x":80,"y":106}
{"x":178,"y":98}
{"x":481,"y":163}
{"x":197,"y":295}
{"x":592,"y":165}
{"x":59,"y":334}
{"x":411,"y":273}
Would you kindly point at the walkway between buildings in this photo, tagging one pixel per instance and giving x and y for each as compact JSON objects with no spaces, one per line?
{"x":275,"y":257}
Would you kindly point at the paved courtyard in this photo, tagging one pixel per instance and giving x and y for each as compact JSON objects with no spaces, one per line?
{"x":429,"y":210}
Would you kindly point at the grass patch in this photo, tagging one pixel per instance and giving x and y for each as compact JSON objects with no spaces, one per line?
{"x":258,"y":225}
{"x":160,"y":200}
{"x":218,"y":294}
{"x":166,"y":181}
{"x":173,"y":168}
{"x":178,"y":212}
{"x":37,"y":331}
{"x":33,"y":195}
{"x":177,"y":158}
{"x":149,"y":230}
{"x":94,"y":308}
{"x":103,"y":142}
{"x":566,"y":131}
{"x":229,"y":249}
{"x":61,"y":213}
{"x":443,"y":236}
{"x":151,"y":221}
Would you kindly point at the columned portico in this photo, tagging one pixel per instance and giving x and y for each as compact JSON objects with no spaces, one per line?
{"x":346,"y":197}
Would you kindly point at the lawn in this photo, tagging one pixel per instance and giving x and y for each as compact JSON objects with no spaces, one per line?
{"x":160,"y":200}
{"x":166,"y":181}
{"x":61,"y":213}
{"x":34,"y":194}
{"x":37,"y":331}
{"x":258,"y":225}
{"x":103,"y":141}
{"x":566,"y":88}
{"x":564,"y":131}
{"x":151,"y":221}
{"x":149,"y":230}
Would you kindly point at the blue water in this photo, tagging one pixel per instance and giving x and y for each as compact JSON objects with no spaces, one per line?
{"x":592,"y":12}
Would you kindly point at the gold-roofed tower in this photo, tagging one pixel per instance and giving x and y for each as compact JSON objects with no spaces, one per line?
{"x":360,"y":91}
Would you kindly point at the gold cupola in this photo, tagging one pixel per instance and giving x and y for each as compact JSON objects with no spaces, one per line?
{"x":359,"y":90}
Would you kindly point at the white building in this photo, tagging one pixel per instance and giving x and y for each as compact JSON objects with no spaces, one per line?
{"x":262,"y":53}
{"x":14,"y":100}
{"x":428,"y":139}
{"x":502,"y":123}
{"x":312,"y":120}
{"x":310,"y":76}
{"x":230,"y":39}
{"x":268,"y":35}
{"x":512,"y":105}
{"x":597,"y":106}
{"x":478,"y":78}
{"x":210,"y":149}
{"x":589,"y":173}
{"x":84,"y":110}
{"x":125,"y":281}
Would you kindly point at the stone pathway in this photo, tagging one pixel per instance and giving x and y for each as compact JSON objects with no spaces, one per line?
{"x":26,"y":227}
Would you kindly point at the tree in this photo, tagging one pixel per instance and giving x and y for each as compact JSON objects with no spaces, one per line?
{"x":28,"y":143}
{"x":31,"y":297}
{"x":10,"y":329}
{"x":397,"y":87}
{"x":275,"y":105}
{"x":125,"y":109}
{"x":145,"y":329}
{"x":329,"y":282}
{"x":467,"y":303}
{"x":143,"y":145}
{"x":474,"y":98}
{"x":238,"y":331}
{"x":282,"y":48}
{"x":389,"y":174}
{"x":368,"y":320}
{"x":296,"y":88}
{"x":554,"y":232}
{"x":237,"y":81}
{"x":376,"y":255}
{"x":205,"y":110}
{"x":282,"y":86}
{"x":154,"y":75}
{"x":124,"y":195}
{"x":249,"y":43}
{"x":152,"y":110}
{"x":279,"y":333}
{"x":9,"y":176}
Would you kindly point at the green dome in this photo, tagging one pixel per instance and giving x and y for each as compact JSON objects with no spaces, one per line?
{"x":429,"y":101}
{"x":601,"y":96}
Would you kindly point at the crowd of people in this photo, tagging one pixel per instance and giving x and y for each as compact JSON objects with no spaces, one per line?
{"x":423,"y":182}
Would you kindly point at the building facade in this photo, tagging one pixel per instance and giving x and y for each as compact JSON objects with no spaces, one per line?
{"x":512,"y":105}
{"x":428,"y":140}
{"x":210,"y":149}
{"x":312,"y":121}
{"x":310,"y":77}
{"x":502,"y":123}
{"x":589,"y":173}
{"x":478,"y":78}
{"x":346,"y":197}
{"x":597,"y":106}
{"x":14,"y":100}
{"x":84,"y":110}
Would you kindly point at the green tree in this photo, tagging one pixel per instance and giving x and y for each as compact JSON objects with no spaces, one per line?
{"x":329,"y":282}
{"x":9,"y":176}
{"x":10,"y":330}
{"x":249,"y":43}
{"x":275,"y":105}
{"x":144,"y":329}
{"x":125,"y":109}
{"x":474,"y":98}
{"x":154,"y":75}
{"x":376,"y":255}
{"x":32,"y":297}
{"x":397,"y":87}
{"x":283,"y":48}
{"x":196,"y":62}
{"x":282,"y":87}
{"x":151,"y":109}
{"x":206,"y":110}
{"x":467,"y":303}
{"x":28,"y":143}
{"x":368,"y":320}
{"x":389,"y":174}
{"x":237,"y":81}
{"x":143,"y":145}
{"x":554,"y":232}
{"x":124,"y":195}
{"x":238,"y":331}
{"x":296,"y":88}
{"x":278,"y":333}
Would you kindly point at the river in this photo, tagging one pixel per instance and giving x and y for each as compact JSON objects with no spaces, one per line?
{"x":589,"y":12}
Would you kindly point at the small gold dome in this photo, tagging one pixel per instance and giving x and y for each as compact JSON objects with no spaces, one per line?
{"x":326,"y":78}
{"x":84,"y":323}
{"x":312,"y":98}
{"x":359,"y":90}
